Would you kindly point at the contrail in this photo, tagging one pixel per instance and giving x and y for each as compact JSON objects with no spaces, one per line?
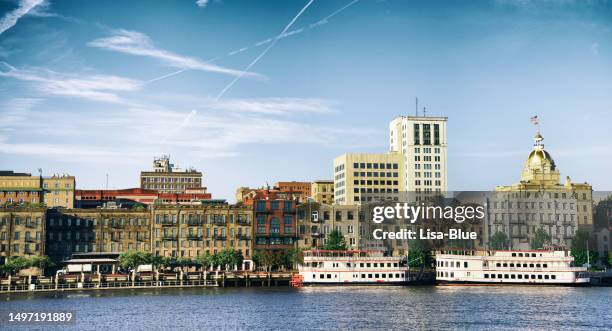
{"x":228,"y":86}
{"x":316,"y":24}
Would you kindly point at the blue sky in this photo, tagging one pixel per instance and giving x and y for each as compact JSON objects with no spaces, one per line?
{"x":94,"y":87}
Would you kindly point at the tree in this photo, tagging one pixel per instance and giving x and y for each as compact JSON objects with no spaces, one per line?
{"x":132,"y":259}
{"x":183,"y":262}
{"x":499,"y":240}
{"x":16,"y":263}
{"x":419,"y":253}
{"x":335,"y":241}
{"x":293,"y":257}
{"x":580,"y":248}
{"x":540,"y":239}
{"x":206,"y":260}
{"x":42,"y":262}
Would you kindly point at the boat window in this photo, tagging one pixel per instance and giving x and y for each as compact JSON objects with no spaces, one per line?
{"x":389,"y":264}
{"x":499,"y":276}
{"x":524,"y":265}
{"x":511,"y":265}
{"x":375,"y":265}
{"x":513,"y":276}
{"x":537,"y":265}
{"x":390,"y":275}
{"x":553,"y":277}
{"x":384,"y":275}
{"x":533,"y":255}
{"x":506,"y":276}
{"x":545,"y":276}
{"x":314,"y":276}
{"x":531,"y":265}
{"x":368,"y":265}
{"x":465,"y":264}
{"x":532,"y":276}
{"x":498,"y":265}
{"x":458,"y":264}
{"x":520,"y":254}
{"x":519,"y":276}
{"x":361,"y":265}
{"x":321,"y":276}
{"x":452,"y":274}
{"x":362,"y":275}
{"x":539,"y":276}
{"x":376,"y":276}
{"x":397,"y":276}
{"x":395,"y":264}
{"x":513,"y":254}
{"x":369,"y":275}
{"x":328,"y":276}
{"x":486,"y":275}
{"x":505,"y":265}
{"x":544,"y":265}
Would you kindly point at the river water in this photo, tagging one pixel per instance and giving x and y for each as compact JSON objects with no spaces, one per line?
{"x":325,"y":308}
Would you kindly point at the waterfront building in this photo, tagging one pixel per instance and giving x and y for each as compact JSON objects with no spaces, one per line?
{"x":540,"y":201}
{"x":72,"y":231}
{"x":368,"y":177}
{"x":135,"y":196}
{"x":274,"y":227}
{"x":54,"y":191}
{"x":322,"y":191}
{"x":22,"y":232}
{"x":58,"y":191}
{"x":166,"y":178}
{"x":421,"y":140}
{"x":188,"y":231}
{"x":19,"y":188}
{"x":316,"y":220}
{"x":302,"y":188}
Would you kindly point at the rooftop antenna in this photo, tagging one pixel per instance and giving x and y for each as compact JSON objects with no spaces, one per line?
{"x":417,"y":107}
{"x":424,"y":111}
{"x":107,"y":180}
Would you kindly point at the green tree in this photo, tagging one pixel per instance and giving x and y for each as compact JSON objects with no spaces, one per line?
{"x":206,"y":260}
{"x":293,"y":257}
{"x":16,"y":263}
{"x":335,"y":241}
{"x":183,"y":262}
{"x":540,"y":239}
{"x":42,"y":262}
{"x":499,"y":240}
{"x":132,"y":259}
{"x":419,"y":253}
{"x":580,"y":248}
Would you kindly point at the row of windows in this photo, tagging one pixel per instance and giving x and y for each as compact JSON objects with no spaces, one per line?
{"x":375,"y":174}
{"x":363,"y":276}
{"x":375,"y":190}
{"x":171,"y":180}
{"x":27,"y":248}
{"x":375,"y":182}
{"x":368,"y":165}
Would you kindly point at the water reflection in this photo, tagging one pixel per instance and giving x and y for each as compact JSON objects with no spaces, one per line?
{"x":346,"y":307}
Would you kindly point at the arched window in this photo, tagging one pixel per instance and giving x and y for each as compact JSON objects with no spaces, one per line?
{"x":274,"y":225}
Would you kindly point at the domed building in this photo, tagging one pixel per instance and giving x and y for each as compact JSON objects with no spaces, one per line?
{"x":540,"y":201}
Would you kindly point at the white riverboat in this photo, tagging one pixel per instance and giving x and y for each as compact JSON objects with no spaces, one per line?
{"x":352,"y":267}
{"x":540,"y":267}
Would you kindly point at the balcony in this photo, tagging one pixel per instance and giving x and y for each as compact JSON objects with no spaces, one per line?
{"x":142,"y":239}
{"x":31,"y":240}
{"x":117,"y":226}
{"x":167,"y":223}
{"x":219,"y":222}
{"x":31,"y":225}
{"x":243,"y":236}
{"x":243,"y":222}
{"x":219,"y":237}
{"x":194,"y":237}
{"x":316,"y":234}
{"x":169,"y":237}
{"x":194,"y":223}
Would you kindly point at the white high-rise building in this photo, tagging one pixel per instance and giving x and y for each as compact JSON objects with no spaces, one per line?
{"x":422,"y":142}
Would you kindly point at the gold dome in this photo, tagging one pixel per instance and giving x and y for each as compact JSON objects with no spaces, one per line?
{"x":539,"y":158}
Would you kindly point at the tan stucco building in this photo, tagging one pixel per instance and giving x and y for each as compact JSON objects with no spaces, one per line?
{"x":58,"y":191}
{"x":368,"y":177}
{"x":322,"y":191}
{"x":540,"y":201}
{"x":22,"y":232}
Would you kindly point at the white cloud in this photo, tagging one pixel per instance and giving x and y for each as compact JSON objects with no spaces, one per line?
{"x":273,"y":106}
{"x":136,"y":43}
{"x":93,"y":87}
{"x":11,"y":18}
{"x":202,"y":3}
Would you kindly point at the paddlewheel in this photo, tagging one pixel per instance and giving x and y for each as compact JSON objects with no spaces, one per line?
{"x":297,"y":280}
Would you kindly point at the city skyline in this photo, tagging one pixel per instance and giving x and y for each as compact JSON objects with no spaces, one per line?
{"x":254,"y":93}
